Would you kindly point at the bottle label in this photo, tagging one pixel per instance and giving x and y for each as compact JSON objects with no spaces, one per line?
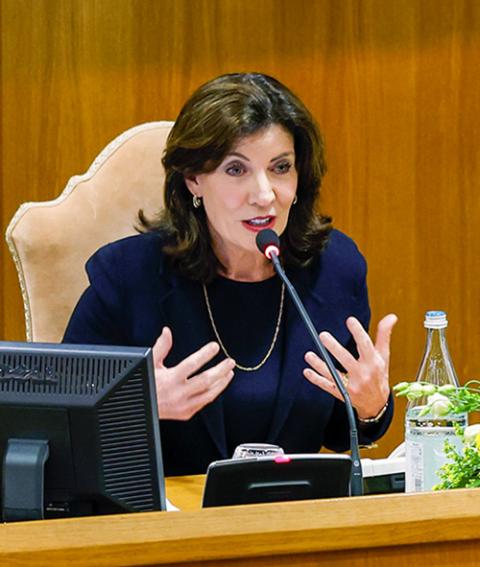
{"x":425,"y":449}
{"x":414,"y":473}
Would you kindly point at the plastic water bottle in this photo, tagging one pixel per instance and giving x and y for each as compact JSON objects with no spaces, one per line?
{"x":425,"y":435}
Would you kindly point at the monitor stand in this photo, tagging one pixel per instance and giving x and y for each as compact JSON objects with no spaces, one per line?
{"x":23,"y":479}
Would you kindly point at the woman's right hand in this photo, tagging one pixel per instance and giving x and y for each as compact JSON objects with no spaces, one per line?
{"x":181,"y":393}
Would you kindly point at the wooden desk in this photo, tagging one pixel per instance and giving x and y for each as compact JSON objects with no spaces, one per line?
{"x":185,"y":492}
{"x":395,"y":530}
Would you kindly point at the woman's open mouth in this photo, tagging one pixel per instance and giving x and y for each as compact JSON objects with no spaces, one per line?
{"x":259,"y":223}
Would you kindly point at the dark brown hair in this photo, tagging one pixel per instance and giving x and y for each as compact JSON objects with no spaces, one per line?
{"x":211,"y":122}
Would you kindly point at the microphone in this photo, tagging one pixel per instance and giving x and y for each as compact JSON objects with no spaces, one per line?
{"x":268,"y":243}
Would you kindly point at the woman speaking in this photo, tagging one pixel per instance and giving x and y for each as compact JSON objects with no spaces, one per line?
{"x":232,"y":357}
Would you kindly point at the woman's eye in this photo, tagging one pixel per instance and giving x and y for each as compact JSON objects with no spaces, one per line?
{"x":235,"y":169}
{"x":282,"y":167}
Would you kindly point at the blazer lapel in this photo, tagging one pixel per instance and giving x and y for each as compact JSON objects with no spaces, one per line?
{"x":182,"y":306}
{"x":327,"y":313}
{"x":296,"y":343}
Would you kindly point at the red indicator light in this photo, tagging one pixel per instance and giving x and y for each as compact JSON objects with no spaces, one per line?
{"x":282,"y":459}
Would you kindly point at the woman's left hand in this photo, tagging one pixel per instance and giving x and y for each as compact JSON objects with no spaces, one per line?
{"x":366,"y":378}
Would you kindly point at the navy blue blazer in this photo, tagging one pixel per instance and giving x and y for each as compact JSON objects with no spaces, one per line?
{"x":134,"y":292}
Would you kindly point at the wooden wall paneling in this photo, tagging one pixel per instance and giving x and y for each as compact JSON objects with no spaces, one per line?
{"x":369,"y":130}
{"x":393,"y":85}
{"x":448,"y":174}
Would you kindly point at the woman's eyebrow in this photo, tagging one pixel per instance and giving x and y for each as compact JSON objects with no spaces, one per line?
{"x":285,"y":154}
{"x":237,"y":154}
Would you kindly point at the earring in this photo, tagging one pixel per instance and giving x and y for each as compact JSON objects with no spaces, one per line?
{"x":197,"y":202}
{"x":295,"y":199}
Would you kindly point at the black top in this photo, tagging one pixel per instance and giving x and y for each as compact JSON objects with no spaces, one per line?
{"x":246,"y":315}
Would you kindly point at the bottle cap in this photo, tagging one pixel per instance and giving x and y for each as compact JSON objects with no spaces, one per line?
{"x":435,"y":320}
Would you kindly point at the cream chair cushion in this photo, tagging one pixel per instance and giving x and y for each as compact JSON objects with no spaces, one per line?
{"x":51,"y":241}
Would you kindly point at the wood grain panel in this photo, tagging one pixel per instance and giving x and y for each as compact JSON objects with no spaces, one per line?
{"x":394,"y":86}
{"x":400,"y":530}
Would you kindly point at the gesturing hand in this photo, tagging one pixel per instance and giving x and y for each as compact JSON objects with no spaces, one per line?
{"x":367,"y":376}
{"x":180,"y":392}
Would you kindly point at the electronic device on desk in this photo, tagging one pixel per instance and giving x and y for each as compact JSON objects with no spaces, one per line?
{"x":276,"y":478}
{"x":384,"y":476}
{"x":79,"y":431}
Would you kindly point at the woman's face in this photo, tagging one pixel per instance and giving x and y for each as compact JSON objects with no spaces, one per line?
{"x":252,"y":189}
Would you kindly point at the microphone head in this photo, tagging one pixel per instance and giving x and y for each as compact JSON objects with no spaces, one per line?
{"x":268,"y":242}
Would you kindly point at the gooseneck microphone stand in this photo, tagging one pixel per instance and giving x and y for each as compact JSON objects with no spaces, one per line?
{"x":269,"y":246}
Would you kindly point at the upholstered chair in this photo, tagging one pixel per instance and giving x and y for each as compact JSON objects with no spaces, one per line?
{"x":51,"y":241}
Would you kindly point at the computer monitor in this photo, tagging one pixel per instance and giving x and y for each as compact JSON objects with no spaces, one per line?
{"x":79,"y":431}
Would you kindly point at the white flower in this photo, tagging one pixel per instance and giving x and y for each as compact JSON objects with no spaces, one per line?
{"x":428,"y":389}
{"x":439,"y":405}
{"x":470,"y":433}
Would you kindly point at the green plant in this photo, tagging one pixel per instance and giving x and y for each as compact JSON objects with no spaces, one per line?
{"x":462,"y":469}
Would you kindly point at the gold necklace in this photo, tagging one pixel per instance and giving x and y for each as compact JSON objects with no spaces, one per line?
{"x":222,"y":346}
